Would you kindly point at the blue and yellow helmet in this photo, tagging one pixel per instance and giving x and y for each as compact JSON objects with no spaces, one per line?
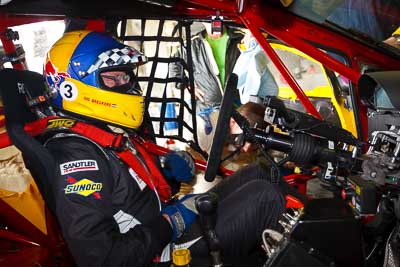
{"x":95,"y":76}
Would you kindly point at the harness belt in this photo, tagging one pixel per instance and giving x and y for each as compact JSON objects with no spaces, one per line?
{"x":153,"y":178}
{"x":120,"y":145}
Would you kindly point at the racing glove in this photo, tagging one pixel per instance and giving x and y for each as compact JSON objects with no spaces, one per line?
{"x":178,"y":165}
{"x":181,"y":214}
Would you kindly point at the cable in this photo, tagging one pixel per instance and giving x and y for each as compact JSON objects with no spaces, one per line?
{"x":273,"y":236}
{"x":274,"y":179}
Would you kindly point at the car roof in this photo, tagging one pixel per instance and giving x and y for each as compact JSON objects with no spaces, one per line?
{"x":121,"y":8}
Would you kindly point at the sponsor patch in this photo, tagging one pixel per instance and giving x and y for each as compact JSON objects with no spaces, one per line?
{"x":136,"y":177}
{"x":56,"y":123}
{"x":78,"y":166}
{"x":125,"y":221}
{"x":166,"y":253}
{"x":84,"y":187}
{"x":53,"y":76}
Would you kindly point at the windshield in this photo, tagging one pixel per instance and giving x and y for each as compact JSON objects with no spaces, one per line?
{"x":313,"y":79}
{"x":374,"y":21}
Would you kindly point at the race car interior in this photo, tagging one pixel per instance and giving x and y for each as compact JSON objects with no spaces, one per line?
{"x":366,"y":180}
{"x":359,"y":165}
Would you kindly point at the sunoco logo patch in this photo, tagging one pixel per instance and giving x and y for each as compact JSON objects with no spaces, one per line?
{"x":78,"y":165}
{"x":56,"y":123}
{"x":84,"y":187}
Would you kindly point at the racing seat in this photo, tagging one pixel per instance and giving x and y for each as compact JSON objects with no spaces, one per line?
{"x":44,"y":250}
{"x":15,"y":86}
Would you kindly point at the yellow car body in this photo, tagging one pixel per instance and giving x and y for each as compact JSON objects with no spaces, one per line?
{"x":314,"y":81}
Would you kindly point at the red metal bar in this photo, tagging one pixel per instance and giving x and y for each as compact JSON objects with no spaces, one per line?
{"x":223,"y":6}
{"x":257,"y":22}
{"x":363,"y":118}
{"x":282,"y":68}
{"x":96,"y":25}
{"x":12,"y":236}
{"x":8,"y":20}
{"x":299,"y":181}
{"x":205,"y":9}
{"x":294,"y":31}
{"x":356,"y":51}
{"x":9,"y":48}
{"x":13,"y":20}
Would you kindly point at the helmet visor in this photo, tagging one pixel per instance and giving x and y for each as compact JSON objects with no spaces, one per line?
{"x":120,"y":81}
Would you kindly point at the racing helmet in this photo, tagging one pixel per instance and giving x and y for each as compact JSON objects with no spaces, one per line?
{"x":94,"y":75}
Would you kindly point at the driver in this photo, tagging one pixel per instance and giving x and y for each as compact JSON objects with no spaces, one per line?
{"x":112,"y":201}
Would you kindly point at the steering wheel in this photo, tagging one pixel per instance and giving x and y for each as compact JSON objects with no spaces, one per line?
{"x":221,"y":129}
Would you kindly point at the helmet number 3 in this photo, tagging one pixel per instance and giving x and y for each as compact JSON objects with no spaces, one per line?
{"x":68,"y":91}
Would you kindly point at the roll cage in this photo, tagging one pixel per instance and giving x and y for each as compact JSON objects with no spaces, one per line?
{"x":258,"y":16}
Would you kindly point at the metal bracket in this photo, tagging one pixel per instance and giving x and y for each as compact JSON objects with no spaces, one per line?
{"x":12,"y":35}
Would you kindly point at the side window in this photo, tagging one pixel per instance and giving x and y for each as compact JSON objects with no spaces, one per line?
{"x":37,"y":38}
{"x":313,"y":79}
{"x":308,"y":73}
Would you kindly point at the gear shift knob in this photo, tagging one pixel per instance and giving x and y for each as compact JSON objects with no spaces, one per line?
{"x":207,"y":205}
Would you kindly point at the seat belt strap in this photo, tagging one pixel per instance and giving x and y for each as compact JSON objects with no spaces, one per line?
{"x":117,"y":142}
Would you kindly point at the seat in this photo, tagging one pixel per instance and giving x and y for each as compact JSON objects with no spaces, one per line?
{"x":50,"y":249}
{"x":14,"y":87}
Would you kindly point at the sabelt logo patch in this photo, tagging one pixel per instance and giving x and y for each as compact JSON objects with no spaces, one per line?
{"x":56,"y":123}
{"x":84,"y":187}
{"x":78,"y":166}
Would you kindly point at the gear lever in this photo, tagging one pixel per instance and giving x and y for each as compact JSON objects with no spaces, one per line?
{"x":207,"y":207}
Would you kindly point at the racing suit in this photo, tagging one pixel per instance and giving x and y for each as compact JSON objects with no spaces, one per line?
{"x":114,"y":218}
{"x":247,"y":204}
{"x":110,"y":217}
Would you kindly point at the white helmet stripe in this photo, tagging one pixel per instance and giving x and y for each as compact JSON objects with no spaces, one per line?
{"x":115,"y":57}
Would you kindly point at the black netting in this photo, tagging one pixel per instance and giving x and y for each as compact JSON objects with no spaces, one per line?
{"x":170,"y":112}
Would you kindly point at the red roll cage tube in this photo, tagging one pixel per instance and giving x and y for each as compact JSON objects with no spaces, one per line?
{"x":293,"y":30}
